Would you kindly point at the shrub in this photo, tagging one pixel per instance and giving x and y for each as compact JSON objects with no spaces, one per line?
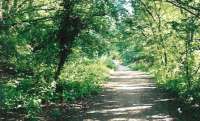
{"x":139,"y":66}
{"x":82,"y":78}
{"x":79,"y":79}
{"x":108,"y":62}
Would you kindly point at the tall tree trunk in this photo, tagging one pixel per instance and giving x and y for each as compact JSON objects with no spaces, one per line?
{"x":188,"y":53}
{"x":70,"y":27}
{"x":66,"y":34}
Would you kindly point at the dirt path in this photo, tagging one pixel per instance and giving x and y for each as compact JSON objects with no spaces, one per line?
{"x":130,"y":96}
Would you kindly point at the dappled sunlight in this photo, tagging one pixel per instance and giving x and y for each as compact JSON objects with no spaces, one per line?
{"x":159,"y":116}
{"x":130,"y":75}
{"x":164,"y":100}
{"x":133,"y":88}
{"x":100,"y":60}
{"x":131,"y":97}
{"x":130,"y":85}
{"x":137,"y":108}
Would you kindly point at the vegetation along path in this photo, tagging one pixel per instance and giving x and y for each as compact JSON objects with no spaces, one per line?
{"x":131,"y":96}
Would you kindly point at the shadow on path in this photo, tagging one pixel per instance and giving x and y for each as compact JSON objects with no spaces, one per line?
{"x":131,"y":96}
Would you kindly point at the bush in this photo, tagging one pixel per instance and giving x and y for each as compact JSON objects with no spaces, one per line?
{"x":108,"y":62}
{"x":82,"y":78}
{"x":79,"y":79}
{"x":139,"y":66}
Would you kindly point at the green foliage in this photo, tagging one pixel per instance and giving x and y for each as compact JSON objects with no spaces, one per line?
{"x":165,"y":44}
{"x":109,"y":62}
{"x":82,"y":78}
{"x":53,"y":51}
{"x":55,"y":114}
{"x":132,"y":54}
{"x":138,"y":66}
{"x":38,"y":37}
{"x":92,"y":44}
{"x":79,"y":79}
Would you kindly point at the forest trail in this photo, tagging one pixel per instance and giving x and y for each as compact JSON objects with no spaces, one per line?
{"x":130,"y":96}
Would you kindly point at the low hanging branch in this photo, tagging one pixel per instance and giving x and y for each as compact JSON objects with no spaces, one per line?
{"x":192,"y":10}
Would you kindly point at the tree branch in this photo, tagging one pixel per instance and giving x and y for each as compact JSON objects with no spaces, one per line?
{"x":147,"y":10}
{"x":27,"y":21}
{"x":177,"y":4}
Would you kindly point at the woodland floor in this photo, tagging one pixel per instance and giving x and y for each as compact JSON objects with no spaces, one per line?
{"x":128,"y":96}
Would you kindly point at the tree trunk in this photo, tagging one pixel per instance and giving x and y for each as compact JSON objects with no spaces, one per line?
{"x":1,"y":15}
{"x":1,"y":11}
{"x":70,"y":27}
{"x":188,"y":53}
